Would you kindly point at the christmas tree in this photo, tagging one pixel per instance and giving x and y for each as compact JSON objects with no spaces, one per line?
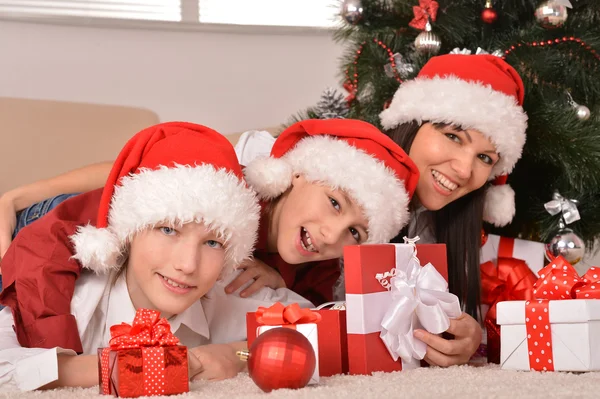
{"x":555,"y":47}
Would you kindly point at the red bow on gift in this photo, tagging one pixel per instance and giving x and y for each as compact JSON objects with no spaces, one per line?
{"x":559,"y":280}
{"x":148,"y":329}
{"x":512,"y":280}
{"x":427,"y":9}
{"x":292,"y":314}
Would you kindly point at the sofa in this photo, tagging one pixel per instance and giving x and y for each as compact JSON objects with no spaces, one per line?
{"x":43,"y":138}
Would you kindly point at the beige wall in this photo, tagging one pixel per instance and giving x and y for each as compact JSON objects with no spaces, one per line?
{"x":229,"y":81}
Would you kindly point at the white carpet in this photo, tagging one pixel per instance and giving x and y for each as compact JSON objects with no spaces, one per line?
{"x":456,"y":382}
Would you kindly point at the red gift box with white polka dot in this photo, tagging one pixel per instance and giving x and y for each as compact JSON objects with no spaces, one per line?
{"x":149,"y":371}
{"x":558,"y":330}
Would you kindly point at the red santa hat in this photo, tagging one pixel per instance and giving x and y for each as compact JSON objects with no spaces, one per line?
{"x":480,"y":92}
{"x":172,"y":173}
{"x":350,"y":155}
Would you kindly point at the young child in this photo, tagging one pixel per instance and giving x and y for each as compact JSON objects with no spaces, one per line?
{"x":327,"y":184}
{"x":174,"y":218}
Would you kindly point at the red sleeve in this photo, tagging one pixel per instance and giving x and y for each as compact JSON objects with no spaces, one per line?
{"x":39,"y":276}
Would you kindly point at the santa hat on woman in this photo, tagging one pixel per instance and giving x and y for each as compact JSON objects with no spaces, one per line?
{"x":479,"y":92}
{"x":173,"y":173}
{"x":350,"y":155}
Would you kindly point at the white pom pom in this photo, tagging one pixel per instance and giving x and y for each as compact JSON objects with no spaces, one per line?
{"x":269,"y":177}
{"x":96,"y":249}
{"x":499,"y":206}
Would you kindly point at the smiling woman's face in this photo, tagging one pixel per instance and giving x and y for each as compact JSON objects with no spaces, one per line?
{"x":452,"y":163}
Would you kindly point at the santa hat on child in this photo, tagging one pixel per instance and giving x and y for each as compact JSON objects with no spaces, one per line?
{"x":479,"y":92}
{"x":350,"y":155}
{"x":172,"y":173}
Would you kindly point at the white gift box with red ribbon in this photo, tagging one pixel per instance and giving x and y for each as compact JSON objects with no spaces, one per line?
{"x":531,"y":252}
{"x":559,"y":331}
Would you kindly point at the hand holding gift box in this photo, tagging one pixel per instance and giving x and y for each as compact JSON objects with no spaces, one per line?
{"x":143,"y":359}
{"x":292,"y":316}
{"x":557,"y":330}
{"x":388,"y":295}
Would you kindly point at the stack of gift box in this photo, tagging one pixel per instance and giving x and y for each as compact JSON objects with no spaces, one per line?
{"x":544,"y":318}
{"x":374,"y":332}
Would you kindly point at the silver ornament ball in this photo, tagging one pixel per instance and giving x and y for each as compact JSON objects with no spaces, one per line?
{"x":583,"y":112}
{"x":428,"y":42}
{"x":352,"y":11}
{"x":551,"y":14}
{"x":567,"y":244}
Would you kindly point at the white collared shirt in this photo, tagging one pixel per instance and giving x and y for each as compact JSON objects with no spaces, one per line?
{"x":97,"y":305}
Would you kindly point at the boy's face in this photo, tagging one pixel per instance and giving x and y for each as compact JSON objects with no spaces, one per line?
{"x":171,"y":268}
{"x":314,"y":223}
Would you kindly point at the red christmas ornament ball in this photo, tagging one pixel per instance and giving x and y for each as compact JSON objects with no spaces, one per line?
{"x":281,"y":358}
{"x":489,"y":15}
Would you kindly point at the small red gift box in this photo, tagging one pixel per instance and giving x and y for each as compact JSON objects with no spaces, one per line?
{"x":331,"y":334}
{"x":367,"y":351}
{"x":143,"y":359}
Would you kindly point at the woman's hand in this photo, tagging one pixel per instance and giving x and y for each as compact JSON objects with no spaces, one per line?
{"x":262,"y":274}
{"x":449,"y":352}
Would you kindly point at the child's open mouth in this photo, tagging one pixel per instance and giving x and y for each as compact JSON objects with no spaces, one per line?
{"x":306,"y":241}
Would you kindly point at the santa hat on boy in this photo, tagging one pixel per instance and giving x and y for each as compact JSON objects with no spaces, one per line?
{"x":172,"y":173}
{"x":350,"y":155}
{"x":479,"y":92}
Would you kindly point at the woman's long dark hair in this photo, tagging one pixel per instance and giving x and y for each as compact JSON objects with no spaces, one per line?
{"x":458,"y":225}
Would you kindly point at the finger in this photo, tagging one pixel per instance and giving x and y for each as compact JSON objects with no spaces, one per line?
{"x":448,"y":347}
{"x":437,"y":358}
{"x":460,"y":327}
{"x":195,"y":366}
{"x":252,"y":288}
{"x":240,"y":280}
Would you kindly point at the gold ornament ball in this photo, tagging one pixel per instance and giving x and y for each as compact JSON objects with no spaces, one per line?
{"x":428,"y":42}
{"x":551,"y":15}
{"x":567,"y":244}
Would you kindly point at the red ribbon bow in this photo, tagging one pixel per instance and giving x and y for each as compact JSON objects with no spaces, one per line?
{"x":427,"y":9}
{"x":512,"y":280}
{"x":292,"y":314}
{"x":148,"y":329}
{"x":559,"y":280}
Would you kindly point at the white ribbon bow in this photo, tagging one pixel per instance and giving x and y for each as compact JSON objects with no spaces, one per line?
{"x":568,"y":207}
{"x":420,"y":299}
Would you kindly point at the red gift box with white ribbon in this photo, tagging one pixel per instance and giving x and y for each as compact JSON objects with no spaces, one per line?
{"x":557,"y":330}
{"x":388,"y":295}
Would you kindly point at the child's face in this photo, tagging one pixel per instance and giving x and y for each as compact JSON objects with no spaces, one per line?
{"x":314,"y":222}
{"x":171,"y":268}
{"x":451,"y":162}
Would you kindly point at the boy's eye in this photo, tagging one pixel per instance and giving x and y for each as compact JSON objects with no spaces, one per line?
{"x":214,"y":244}
{"x":334,"y":203}
{"x":168,"y":230}
{"x":355,"y":234}
{"x":452,"y":137}
{"x":486,"y":159}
